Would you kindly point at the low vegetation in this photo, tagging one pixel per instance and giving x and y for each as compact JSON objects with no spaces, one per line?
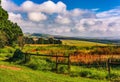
{"x":90,"y":68}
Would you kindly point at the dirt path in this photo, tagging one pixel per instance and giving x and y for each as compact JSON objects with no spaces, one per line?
{"x":10,"y":67}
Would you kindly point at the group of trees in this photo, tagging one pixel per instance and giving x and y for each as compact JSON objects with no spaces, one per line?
{"x":9,"y":31}
{"x":42,"y":41}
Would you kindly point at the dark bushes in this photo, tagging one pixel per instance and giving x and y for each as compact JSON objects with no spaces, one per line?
{"x":18,"y":55}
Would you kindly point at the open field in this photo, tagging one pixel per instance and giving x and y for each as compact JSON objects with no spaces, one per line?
{"x":40,"y":69}
{"x":80,"y":51}
{"x":67,"y":46}
{"x":81,"y":43}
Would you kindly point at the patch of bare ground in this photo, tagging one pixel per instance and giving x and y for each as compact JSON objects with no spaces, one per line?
{"x":10,"y":67}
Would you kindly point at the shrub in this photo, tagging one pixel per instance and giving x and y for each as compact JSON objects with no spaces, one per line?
{"x":63,"y":69}
{"x":98,"y":76}
{"x":18,"y":56}
{"x":112,"y":76}
{"x":3,"y":50}
{"x":33,"y":66}
{"x":40,"y":64}
{"x":74,"y":74}
{"x":85,"y":73}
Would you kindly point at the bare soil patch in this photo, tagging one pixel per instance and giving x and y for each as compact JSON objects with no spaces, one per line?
{"x":10,"y":67}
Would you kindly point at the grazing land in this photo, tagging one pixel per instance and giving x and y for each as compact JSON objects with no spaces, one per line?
{"x":88,"y":63}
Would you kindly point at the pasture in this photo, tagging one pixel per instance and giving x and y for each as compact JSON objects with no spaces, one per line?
{"x":88,"y":63}
{"x":81,"y":43}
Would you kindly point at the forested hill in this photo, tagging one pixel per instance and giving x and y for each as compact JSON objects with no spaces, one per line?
{"x":9,"y":31}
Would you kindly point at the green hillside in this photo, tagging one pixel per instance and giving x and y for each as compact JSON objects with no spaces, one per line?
{"x":14,"y":73}
{"x":81,"y":43}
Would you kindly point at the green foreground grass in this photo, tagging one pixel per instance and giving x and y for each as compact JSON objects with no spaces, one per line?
{"x":28,"y":75}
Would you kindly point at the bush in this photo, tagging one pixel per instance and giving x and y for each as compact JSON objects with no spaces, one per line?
{"x":40,"y":64}
{"x":33,"y":66}
{"x":3,"y":50}
{"x":85,"y":73}
{"x":112,"y":76}
{"x":18,"y":56}
{"x":74,"y":74}
{"x":98,"y":76}
{"x":63,"y":69}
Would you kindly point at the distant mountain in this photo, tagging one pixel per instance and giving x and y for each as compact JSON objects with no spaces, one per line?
{"x":39,"y":35}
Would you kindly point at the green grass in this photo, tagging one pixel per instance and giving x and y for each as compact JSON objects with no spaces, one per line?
{"x":81,"y":43}
{"x":29,"y":75}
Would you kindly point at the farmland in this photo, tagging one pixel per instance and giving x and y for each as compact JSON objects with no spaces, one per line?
{"x":81,"y":43}
{"x":86,"y":66}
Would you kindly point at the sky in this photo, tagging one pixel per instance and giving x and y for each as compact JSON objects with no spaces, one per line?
{"x":79,"y":18}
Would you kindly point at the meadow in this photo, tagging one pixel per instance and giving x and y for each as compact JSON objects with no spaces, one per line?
{"x":87,"y":59}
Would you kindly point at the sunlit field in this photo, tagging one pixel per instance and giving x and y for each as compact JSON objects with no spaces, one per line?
{"x":81,"y":43}
{"x":88,"y":63}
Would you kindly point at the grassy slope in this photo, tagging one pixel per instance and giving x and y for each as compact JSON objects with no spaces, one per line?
{"x":28,"y":75}
{"x":81,"y":43}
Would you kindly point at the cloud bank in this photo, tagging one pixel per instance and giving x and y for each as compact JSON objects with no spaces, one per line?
{"x":54,"y":18}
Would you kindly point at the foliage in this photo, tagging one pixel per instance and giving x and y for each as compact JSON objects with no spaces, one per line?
{"x":85,"y":73}
{"x":113,"y":76}
{"x":38,"y":63}
{"x":41,"y":41}
{"x":63,"y":69}
{"x":9,"y":31}
{"x":3,"y":39}
{"x":18,"y":56}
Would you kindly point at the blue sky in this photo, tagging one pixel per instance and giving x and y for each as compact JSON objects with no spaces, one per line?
{"x":103,"y":5}
{"x":89,"y":18}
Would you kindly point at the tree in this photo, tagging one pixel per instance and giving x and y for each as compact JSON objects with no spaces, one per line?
{"x":9,"y":30}
{"x":51,"y":41}
{"x":21,"y":41}
{"x":40,"y":41}
{"x":3,"y":39}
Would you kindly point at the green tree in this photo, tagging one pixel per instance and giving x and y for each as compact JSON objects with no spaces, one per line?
{"x":3,"y":39}
{"x":40,"y":41}
{"x":9,"y":30}
{"x":51,"y":40}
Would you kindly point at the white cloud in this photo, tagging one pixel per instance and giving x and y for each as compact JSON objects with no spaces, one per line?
{"x":59,"y":20}
{"x":62,"y":20}
{"x":50,"y":7}
{"x":60,"y":30}
{"x":110,"y":13}
{"x":78,"y":12}
{"x":15,"y":17}
{"x":10,"y":6}
{"x":46,"y":7}
{"x":36,"y":16}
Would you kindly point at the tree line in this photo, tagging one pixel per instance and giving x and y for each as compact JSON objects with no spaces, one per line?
{"x":41,"y":41}
{"x":9,"y":31}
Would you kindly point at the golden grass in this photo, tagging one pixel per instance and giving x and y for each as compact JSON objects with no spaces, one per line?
{"x":81,"y":43}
